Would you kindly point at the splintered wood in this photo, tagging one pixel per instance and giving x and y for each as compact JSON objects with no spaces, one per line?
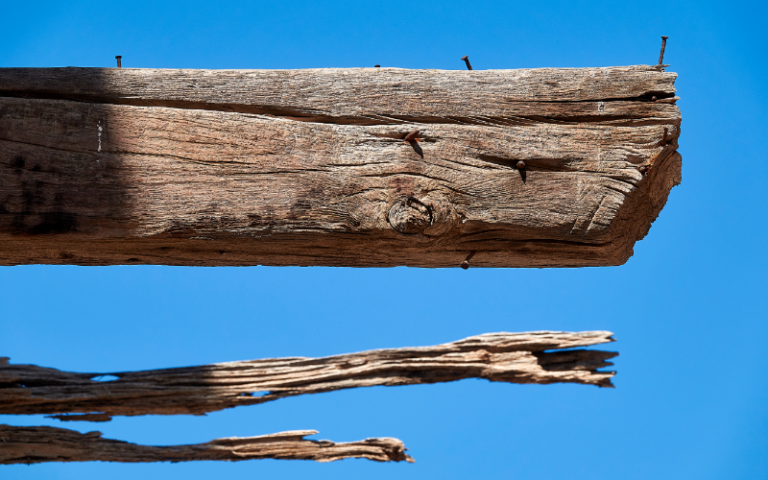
{"x":47,"y":444}
{"x":498,"y":357}
{"x":342,"y":167}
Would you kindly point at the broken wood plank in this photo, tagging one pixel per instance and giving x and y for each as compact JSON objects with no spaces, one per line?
{"x":498,"y":357}
{"x":48,"y":444}
{"x":310,"y":167}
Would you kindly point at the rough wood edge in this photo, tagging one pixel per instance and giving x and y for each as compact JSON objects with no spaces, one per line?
{"x":49,"y":444}
{"x":498,"y":357}
{"x":309,"y":89}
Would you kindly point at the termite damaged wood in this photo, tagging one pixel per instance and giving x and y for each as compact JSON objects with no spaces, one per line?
{"x":311,"y":167}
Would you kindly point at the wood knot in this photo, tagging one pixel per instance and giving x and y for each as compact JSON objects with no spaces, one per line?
{"x":409,"y":216}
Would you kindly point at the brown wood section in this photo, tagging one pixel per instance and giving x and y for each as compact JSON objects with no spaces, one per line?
{"x":533,"y":357}
{"x":48,"y":444}
{"x":526,"y":168}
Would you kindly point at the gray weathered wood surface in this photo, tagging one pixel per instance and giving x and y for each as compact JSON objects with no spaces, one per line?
{"x":531,"y":357}
{"x":309,"y":167}
{"x":48,"y":444}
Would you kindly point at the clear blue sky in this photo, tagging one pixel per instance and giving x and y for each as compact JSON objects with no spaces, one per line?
{"x":689,"y":309}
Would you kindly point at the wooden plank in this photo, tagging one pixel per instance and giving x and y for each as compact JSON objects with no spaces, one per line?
{"x":48,"y":444}
{"x":309,"y":167}
{"x":499,"y":357}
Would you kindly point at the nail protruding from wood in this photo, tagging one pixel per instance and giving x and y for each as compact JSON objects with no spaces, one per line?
{"x":664,"y":140}
{"x":119,"y":63}
{"x":466,"y":60}
{"x":663,"y":46}
{"x":520,"y":165}
{"x":465,"y":263}
{"x":412,"y":137}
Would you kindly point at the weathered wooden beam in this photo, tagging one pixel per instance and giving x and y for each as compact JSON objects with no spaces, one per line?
{"x":310,"y":167}
{"x":498,"y":357}
{"x":48,"y":444}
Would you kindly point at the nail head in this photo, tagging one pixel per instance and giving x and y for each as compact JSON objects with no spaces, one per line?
{"x":411,"y":137}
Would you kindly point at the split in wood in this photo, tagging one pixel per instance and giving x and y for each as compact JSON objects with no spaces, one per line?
{"x":281,"y":167}
{"x":48,"y":444}
{"x":498,"y":357}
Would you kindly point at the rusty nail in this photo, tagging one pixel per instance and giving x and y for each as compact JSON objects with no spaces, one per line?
{"x":377,"y":66}
{"x":663,"y":46}
{"x":642,"y":169}
{"x":520,"y":165}
{"x":119,"y":57}
{"x":653,"y":99}
{"x":664,"y":140}
{"x":466,"y":59}
{"x":465,"y":263}
{"x":411,"y":137}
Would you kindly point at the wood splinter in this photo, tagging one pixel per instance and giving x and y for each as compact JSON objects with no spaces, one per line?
{"x":49,"y":444}
{"x":499,"y":357}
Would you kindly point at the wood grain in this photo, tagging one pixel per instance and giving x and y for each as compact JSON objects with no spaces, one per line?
{"x":310,"y":167}
{"x":48,"y":444}
{"x":532,"y":357}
